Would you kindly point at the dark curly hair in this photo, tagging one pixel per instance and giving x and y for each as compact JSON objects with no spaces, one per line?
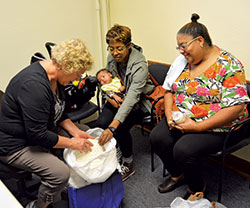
{"x":196,"y":29}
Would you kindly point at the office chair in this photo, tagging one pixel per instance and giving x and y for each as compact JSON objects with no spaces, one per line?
{"x":158,"y":72}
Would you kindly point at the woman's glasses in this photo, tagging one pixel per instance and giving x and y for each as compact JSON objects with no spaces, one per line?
{"x":119,"y":49}
{"x":185,"y":45}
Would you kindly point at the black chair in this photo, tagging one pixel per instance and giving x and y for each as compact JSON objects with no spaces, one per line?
{"x":227,"y":149}
{"x":37,"y":57}
{"x":8,"y":172}
{"x":85,"y":108}
{"x":158,"y":72}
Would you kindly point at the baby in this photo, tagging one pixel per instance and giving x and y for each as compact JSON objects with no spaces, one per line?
{"x":112,"y":86}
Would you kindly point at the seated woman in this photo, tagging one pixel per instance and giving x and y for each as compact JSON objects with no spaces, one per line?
{"x":112,"y":87}
{"x":210,"y":90}
{"x":33,"y":121}
{"x":130,"y":64}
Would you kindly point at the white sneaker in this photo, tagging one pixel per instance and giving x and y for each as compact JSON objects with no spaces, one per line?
{"x":31,"y":204}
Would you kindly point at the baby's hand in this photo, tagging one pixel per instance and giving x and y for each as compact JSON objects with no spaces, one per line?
{"x":121,"y":89}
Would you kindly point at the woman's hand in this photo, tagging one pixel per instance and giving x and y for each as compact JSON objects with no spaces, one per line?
{"x":105,"y":137}
{"x":219,"y":119}
{"x":188,"y":126}
{"x":73,"y":130}
{"x":170,"y":120}
{"x":118,"y":99}
{"x":83,"y":145}
{"x":82,"y":134}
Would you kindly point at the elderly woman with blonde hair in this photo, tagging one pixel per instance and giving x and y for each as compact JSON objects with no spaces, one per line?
{"x":32,"y":113}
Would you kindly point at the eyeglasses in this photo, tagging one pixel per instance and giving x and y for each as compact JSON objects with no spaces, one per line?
{"x":183,"y":46}
{"x":118,"y":49}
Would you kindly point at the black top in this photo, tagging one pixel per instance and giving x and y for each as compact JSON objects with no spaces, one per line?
{"x":27,"y":114}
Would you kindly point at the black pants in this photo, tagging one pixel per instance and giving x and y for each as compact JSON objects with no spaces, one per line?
{"x":181,"y":152}
{"x":123,"y":135}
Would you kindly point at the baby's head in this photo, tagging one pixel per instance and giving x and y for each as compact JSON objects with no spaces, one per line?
{"x":104,"y":76}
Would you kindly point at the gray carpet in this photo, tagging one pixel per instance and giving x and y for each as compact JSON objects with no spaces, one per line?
{"x":141,"y":188}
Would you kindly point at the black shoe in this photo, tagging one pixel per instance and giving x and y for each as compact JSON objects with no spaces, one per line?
{"x":169,"y":185}
{"x":64,"y":194}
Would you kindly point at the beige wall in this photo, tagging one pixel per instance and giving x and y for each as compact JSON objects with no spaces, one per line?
{"x":154,"y":24}
{"x":26,"y":26}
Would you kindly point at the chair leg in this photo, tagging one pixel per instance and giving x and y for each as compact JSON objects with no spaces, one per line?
{"x":152,"y":160}
{"x":221,"y":171}
{"x":22,"y":190}
{"x":164,"y":171}
{"x":142,"y":130}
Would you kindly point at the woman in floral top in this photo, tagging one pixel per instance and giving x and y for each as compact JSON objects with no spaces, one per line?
{"x":211,"y":92}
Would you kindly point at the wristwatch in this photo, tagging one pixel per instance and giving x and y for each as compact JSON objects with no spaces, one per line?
{"x":112,"y":129}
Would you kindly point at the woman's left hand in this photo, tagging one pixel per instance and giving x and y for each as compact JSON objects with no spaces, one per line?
{"x":105,"y":137}
{"x":83,"y":135}
{"x":188,"y":126}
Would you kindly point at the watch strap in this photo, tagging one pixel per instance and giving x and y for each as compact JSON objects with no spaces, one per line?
{"x":112,"y":129}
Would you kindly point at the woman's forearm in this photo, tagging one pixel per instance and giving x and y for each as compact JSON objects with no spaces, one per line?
{"x":115,"y":123}
{"x":63,"y":142}
{"x":168,"y":103}
{"x":83,"y":145}
{"x":222,"y":117}
{"x":113,"y":103}
{"x":69,"y":126}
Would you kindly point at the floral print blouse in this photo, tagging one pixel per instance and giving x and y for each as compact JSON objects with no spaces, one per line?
{"x":222,"y":85}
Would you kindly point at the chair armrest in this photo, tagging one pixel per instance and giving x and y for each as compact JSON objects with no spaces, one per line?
{"x":241,"y":125}
{"x":153,"y":108}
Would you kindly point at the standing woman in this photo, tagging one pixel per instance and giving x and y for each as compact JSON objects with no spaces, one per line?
{"x":32,"y":113}
{"x":211,"y":91}
{"x":130,"y":65}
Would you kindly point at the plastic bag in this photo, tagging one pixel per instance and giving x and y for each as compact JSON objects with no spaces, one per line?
{"x":76,"y":181}
{"x":99,"y":168}
{"x":201,"y":203}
